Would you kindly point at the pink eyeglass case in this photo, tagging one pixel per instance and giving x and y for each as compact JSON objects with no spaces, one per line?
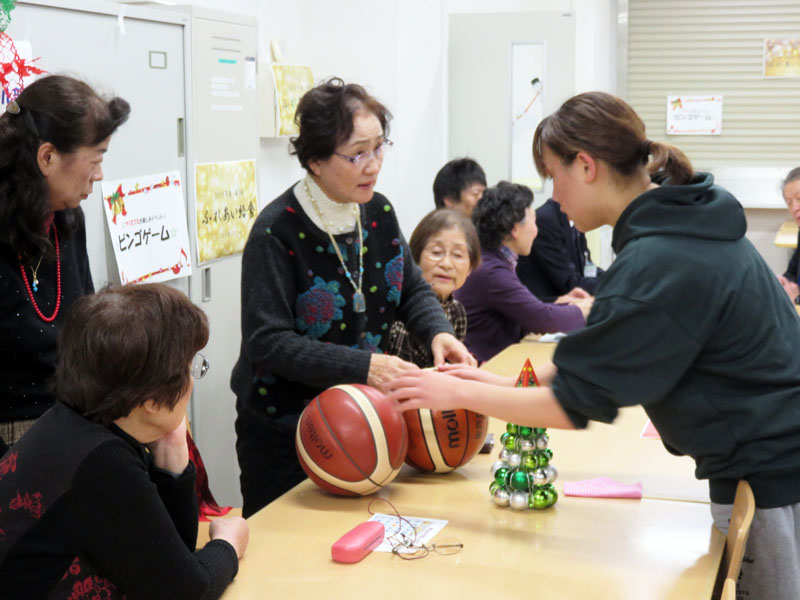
{"x":358,"y":542}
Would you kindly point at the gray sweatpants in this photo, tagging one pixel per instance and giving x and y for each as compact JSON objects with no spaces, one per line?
{"x":771,"y":564}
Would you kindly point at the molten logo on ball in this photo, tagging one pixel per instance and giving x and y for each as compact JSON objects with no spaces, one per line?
{"x":351,"y":440}
{"x":440,"y":441}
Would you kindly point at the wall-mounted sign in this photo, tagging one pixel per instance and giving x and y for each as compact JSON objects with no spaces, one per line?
{"x":694,"y":115}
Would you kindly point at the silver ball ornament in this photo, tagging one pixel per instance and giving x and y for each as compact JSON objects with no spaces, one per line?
{"x":496,"y":466}
{"x":504,"y":454}
{"x":501,"y":497}
{"x":514,"y":460}
{"x":542,"y":441}
{"x":519,"y":500}
{"x":526,"y":446}
{"x":539,"y":477}
{"x":551,"y":472}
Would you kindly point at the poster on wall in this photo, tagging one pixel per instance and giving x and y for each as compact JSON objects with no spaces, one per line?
{"x":694,"y":115}
{"x":527,"y":72}
{"x":291,"y":82}
{"x":226,"y":206}
{"x":146,"y":219}
{"x":781,"y":57}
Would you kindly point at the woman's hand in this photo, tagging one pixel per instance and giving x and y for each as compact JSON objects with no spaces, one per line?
{"x":171,"y":451}
{"x":790,"y":287}
{"x":575,"y":293}
{"x":472,"y":373}
{"x":585,"y":305}
{"x":233,"y":530}
{"x":446,"y":347}
{"x":383,"y":367}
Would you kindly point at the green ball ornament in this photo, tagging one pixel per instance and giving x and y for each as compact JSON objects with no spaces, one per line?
{"x":550,"y":496}
{"x":519,"y":481}
{"x":539,"y":430}
{"x":530,"y":462}
{"x":525,"y":432}
{"x":504,"y":437}
{"x":549,"y":453}
{"x":493,"y":487}
{"x":500,"y":475}
{"x":540,"y":500}
{"x":543,"y":459}
{"x":511,"y":428}
{"x":511,"y":442}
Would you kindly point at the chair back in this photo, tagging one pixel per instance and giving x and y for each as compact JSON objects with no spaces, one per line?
{"x":744,"y":507}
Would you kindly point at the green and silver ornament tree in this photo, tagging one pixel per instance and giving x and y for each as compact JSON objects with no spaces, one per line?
{"x":523,"y":475}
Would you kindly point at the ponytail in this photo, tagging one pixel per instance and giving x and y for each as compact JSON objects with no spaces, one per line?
{"x":671,"y":161}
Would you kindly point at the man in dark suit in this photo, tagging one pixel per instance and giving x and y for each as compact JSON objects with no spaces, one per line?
{"x":557,"y":262}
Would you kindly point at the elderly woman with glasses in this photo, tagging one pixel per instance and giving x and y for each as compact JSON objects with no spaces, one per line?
{"x":325,"y":272}
{"x":98,"y":496}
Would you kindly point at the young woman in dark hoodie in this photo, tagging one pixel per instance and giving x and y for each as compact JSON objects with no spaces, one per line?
{"x":689,"y":322}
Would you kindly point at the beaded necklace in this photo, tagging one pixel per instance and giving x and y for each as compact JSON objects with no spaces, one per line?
{"x":359,"y":302}
{"x":51,"y":318}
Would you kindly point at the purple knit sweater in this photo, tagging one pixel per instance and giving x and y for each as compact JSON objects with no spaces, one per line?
{"x":501,"y":310}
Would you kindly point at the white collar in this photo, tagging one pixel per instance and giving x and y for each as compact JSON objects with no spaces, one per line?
{"x":339,"y":217}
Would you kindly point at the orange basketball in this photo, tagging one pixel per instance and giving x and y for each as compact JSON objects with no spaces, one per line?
{"x":442,"y":440}
{"x":351,"y":441}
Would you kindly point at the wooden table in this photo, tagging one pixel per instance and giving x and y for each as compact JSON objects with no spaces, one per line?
{"x":580,"y":548}
{"x":787,"y":235}
{"x":615,"y":450}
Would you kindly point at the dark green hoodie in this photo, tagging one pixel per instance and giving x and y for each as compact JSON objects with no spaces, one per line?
{"x":692,"y":324}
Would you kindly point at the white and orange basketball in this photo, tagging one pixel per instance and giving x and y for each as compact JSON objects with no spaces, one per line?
{"x":442,"y":440}
{"x":351,"y":441}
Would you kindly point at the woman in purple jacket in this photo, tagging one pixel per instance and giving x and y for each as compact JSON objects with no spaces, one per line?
{"x":500,"y":309}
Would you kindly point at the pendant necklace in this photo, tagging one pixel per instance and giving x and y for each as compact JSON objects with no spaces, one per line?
{"x":51,"y":318}
{"x":359,"y":302}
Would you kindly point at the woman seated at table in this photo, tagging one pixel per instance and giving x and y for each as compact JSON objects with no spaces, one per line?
{"x":445,"y":246}
{"x":688,"y":321}
{"x":500,"y":309}
{"x":98,"y":496}
{"x":791,"y":195}
{"x":325,"y":272}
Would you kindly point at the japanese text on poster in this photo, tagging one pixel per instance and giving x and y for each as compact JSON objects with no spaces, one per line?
{"x":781,"y":57}
{"x":147,"y":222}
{"x":227,"y":205}
{"x":694,"y":115}
{"x":291,"y":82}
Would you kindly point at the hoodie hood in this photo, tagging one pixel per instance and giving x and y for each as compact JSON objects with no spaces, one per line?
{"x":698,"y":209}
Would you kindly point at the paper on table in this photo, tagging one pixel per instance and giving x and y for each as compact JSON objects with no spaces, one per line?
{"x":551,"y":337}
{"x":424,"y":528}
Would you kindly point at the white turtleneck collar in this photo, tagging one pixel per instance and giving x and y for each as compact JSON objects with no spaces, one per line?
{"x":339,"y":218}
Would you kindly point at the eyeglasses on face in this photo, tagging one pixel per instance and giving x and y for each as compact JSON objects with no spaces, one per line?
{"x":363,"y":158}
{"x":437,"y":254}
{"x":200,"y":366}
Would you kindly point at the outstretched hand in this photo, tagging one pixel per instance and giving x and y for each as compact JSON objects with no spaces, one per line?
{"x":446,"y":347}
{"x":429,"y":389}
{"x":472,"y":373}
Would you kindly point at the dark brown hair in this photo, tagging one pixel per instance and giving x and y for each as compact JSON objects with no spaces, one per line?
{"x":125,"y":345}
{"x":608,"y":129}
{"x":69,"y":114}
{"x":455,"y":177}
{"x":500,"y":208}
{"x":325,"y":116}
{"x":439,"y":220}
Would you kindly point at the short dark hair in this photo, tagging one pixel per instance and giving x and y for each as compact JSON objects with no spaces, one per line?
{"x":125,"y":345}
{"x":791,"y":176}
{"x":69,"y":114}
{"x":325,"y":116}
{"x":453,"y":178}
{"x":439,"y":220}
{"x":499,"y":209}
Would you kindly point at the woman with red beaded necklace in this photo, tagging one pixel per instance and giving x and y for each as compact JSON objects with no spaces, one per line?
{"x":52,"y":141}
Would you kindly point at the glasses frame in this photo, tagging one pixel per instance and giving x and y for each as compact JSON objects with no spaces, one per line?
{"x":200,"y":366}
{"x":465,"y":260}
{"x":365,"y":157}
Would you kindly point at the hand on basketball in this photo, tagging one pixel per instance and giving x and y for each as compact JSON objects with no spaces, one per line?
{"x":384,"y":367}
{"x":233,"y":530}
{"x":446,"y":347}
{"x":475,"y":374}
